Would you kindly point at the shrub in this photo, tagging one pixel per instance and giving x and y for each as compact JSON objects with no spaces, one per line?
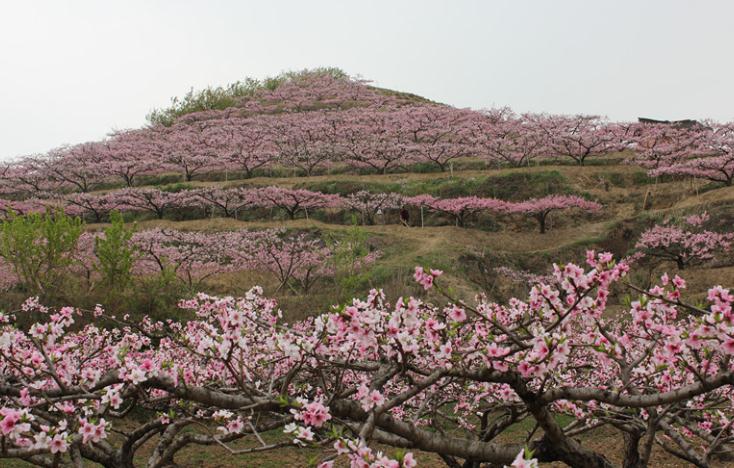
{"x":39,"y":247}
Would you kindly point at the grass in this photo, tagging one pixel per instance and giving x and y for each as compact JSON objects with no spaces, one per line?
{"x":509,"y":186}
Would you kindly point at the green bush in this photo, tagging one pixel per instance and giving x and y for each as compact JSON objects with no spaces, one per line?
{"x":157,"y":296}
{"x":116,"y":255}
{"x":512,"y":186}
{"x":622,"y":179}
{"x":345,"y":187}
{"x":40,"y":247}
{"x":176,"y":187}
{"x":522,"y":185}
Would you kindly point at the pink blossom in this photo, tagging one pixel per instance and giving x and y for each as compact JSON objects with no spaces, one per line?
{"x":457,"y":314}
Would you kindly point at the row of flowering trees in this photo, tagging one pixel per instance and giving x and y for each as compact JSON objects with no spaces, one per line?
{"x":539,"y":208}
{"x":472,"y":383}
{"x":312,"y":124}
{"x":293,"y":202}
{"x":36,"y":250}
{"x":296,"y":261}
{"x":314,"y":141}
{"x":704,"y":151}
{"x":224,"y":202}
{"x":319,"y":121}
{"x":379,"y":140}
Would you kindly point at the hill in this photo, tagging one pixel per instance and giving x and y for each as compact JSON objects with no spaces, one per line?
{"x":347,"y":137}
{"x":319,"y":187}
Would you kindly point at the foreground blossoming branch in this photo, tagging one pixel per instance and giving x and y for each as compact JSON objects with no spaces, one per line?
{"x":446,"y":379}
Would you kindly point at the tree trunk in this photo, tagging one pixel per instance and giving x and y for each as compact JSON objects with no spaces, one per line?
{"x":631,"y":452}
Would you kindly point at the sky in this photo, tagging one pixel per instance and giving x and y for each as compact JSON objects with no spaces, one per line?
{"x":72,"y":71}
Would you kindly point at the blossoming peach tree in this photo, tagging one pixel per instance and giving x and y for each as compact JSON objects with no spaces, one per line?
{"x":686,"y":243}
{"x":450,"y":380}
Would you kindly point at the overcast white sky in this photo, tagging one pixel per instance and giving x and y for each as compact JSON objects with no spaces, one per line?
{"x":70,"y":71}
